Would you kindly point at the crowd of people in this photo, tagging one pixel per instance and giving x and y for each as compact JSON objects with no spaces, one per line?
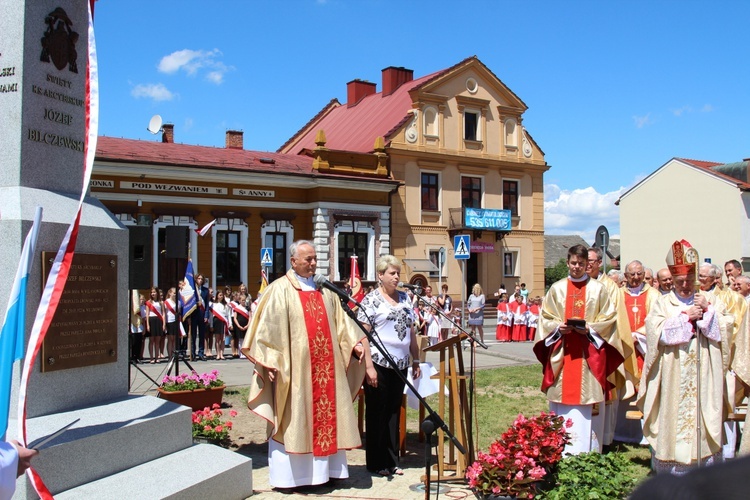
{"x":608,"y":344}
{"x":671,"y":347}
{"x":218,"y":322}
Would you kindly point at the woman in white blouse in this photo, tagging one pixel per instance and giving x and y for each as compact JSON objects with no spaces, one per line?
{"x":390,"y":314}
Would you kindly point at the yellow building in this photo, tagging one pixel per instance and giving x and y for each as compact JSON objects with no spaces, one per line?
{"x":456,"y":141}
{"x":166,"y":192}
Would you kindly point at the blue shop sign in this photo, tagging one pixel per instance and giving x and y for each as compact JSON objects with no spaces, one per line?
{"x":482,"y":218}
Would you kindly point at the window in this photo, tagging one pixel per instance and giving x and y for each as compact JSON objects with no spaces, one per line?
{"x":471,"y":125}
{"x":429,"y":191}
{"x":430,"y":121}
{"x":352,"y":244}
{"x":471,"y":192}
{"x":510,"y":133}
{"x":510,"y":197}
{"x":435,"y":259}
{"x":510,"y":260}
{"x":227,"y":258}
{"x":277,"y":243}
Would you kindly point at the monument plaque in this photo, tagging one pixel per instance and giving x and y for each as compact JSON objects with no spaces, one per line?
{"x":83,"y":331}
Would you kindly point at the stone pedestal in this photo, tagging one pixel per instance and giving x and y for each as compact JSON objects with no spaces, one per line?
{"x":83,"y":373}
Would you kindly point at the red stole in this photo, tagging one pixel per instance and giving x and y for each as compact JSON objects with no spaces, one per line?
{"x":218,"y":315}
{"x":577,"y":349}
{"x":171,"y":309}
{"x":150,"y":305}
{"x":636,"y":319}
{"x":239,"y":309}
{"x":323,"y":373}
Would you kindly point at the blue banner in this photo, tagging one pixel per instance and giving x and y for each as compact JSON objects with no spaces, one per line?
{"x":483,"y":218}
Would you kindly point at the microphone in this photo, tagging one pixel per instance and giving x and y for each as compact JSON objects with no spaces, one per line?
{"x":322,"y":282}
{"x":414,"y":288}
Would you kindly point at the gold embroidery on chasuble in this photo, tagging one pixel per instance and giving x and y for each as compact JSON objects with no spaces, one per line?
{"x":322,"y":373}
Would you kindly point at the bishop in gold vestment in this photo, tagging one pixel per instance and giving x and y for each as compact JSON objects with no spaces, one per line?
{"x":682,"y":384}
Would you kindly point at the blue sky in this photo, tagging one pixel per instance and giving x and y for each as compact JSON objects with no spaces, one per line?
{"x":614,"y":88}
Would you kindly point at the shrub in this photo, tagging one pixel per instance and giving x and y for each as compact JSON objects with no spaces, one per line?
{"x":592,"y":476}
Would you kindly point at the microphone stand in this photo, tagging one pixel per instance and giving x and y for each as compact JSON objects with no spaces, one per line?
{"x":473,"y":341}
{"x":433,"y":420}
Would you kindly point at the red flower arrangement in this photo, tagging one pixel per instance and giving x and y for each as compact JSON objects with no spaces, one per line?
{"x":207,"y":423}
{"x":523,"y":456}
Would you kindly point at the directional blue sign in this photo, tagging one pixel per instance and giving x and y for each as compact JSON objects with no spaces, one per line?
{"x":461,"y":246}
{"x":266,"y":257}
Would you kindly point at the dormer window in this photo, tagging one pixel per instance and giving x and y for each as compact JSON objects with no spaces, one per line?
{"x":471,"y":125}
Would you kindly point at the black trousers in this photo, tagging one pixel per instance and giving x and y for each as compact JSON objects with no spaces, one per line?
{"x":382,"y":411}
{"x":136,"y":340}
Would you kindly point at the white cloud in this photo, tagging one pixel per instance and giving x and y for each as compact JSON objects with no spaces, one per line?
{"x":580,"y":211}
{"x":188,"y":124}
{"x":194,"y":61}
{"x":642,"y":121}
{"x":154,"y":91}
{"x":680,"y":111}
{"x":707,"y":108}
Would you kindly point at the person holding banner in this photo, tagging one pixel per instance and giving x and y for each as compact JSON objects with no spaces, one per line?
{"x":14,"y":460}
{"x":199,"y":319}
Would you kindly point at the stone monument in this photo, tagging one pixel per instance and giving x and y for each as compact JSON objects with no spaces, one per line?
{"x":82,"y":369}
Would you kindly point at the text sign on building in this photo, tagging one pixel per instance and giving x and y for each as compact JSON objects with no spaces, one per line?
{"x":461,"y":246}
{"x":172,"y":188}
{"x":253,"y":193}
{"x":485,"y":218}
{"x":83,"y":331}
{"x":482,"y":247}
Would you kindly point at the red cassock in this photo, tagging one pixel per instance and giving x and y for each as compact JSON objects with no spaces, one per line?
{"x":518,"y":334}
{"x":504,"y":322}
{"x":532,"y":318}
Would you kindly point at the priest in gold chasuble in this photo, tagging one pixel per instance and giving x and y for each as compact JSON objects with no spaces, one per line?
{"x":305,"y":379}
{"x":578,"y":349}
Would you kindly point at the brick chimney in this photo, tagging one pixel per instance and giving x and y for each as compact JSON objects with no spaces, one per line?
{"x":234,"y":139}
{"x":394,"y":77}
{"x":356,"y":90}
{"x":167,"y":133}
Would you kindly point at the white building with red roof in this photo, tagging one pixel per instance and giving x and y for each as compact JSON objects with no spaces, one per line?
{"x":706,"y":203}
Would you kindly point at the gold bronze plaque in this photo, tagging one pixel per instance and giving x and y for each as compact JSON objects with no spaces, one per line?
{"x":84,"y":328}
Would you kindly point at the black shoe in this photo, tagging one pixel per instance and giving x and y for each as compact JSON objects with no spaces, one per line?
{"x":203,"y":358}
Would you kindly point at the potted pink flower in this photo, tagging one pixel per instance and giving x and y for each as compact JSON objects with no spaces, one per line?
{"x":193,"y":390}
{"x":209,"y":426}
{"x":523,"y":457}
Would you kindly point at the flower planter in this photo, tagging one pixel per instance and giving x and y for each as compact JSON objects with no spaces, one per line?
{"x":206,"y":440}
{"x":197,"y":399}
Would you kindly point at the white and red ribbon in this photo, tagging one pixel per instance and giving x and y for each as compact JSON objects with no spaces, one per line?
{"x":61,"y":267}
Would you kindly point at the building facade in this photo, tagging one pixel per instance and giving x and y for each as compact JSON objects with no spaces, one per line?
{"x":166,"y":192}
{"x":455,"y":140}
{"x":705,"y":203}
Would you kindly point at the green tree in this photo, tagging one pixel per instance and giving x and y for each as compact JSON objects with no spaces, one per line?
{"x":556,"y":273}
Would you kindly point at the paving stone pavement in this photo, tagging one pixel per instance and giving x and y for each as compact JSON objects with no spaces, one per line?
{"x":361,"y":483}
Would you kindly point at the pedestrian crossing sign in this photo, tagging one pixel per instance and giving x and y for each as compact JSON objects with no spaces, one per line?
{"x":266,"y":257}
{"x":461,"y":246}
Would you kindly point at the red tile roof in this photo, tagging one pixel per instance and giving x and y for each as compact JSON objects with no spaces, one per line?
{"x":160,"y":153}
{"x":355,"y":128}
{"x":707,"y":165}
